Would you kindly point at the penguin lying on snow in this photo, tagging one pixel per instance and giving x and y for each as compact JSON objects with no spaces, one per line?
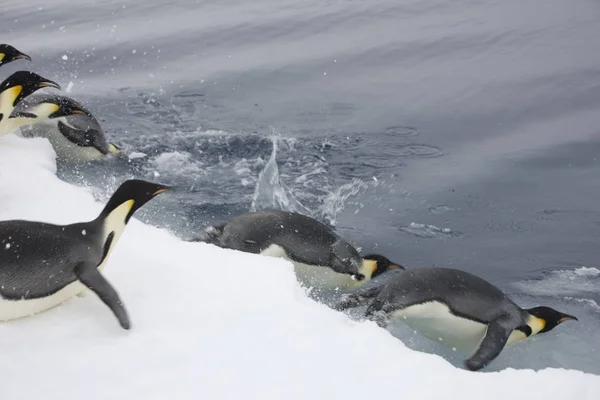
{"x":72,"y":130}
{"x":320,"y":257}
{"x":42,"y":265}
{"x":456,"y":307}
{"x":14,"y":89}
{"x":9,"y":54}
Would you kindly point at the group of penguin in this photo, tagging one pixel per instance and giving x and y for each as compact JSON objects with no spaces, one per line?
{"x":43,"y":265}
{"x":75,"y":134}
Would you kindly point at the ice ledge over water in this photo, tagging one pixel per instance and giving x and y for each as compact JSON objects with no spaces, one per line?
{"x":213,"y":324}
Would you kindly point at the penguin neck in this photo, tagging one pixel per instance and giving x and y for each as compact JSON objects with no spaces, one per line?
{"x":11,"y":124}
{"x":113,"y":222}
{"x":536,"y":324}
{"x":7,"y":99}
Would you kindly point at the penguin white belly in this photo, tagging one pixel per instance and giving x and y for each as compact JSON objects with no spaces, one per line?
{"x":313,"y":275}
{"x":13,"y":309}
{"x":435,"y":321}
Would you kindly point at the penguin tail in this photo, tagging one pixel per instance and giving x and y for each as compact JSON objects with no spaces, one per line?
{"x":210,"y":235}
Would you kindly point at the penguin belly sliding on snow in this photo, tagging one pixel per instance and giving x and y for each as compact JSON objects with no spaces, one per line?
{"x":456,"y":307}
{"x":74,"y":133}
{"x":14,"y":89}
{"x":321,"y":259}
{"x":43,"y":265}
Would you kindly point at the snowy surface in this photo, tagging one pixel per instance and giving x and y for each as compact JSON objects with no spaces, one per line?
{"x":213,"y":324}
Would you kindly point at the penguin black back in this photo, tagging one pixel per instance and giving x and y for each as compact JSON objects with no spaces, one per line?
{"x":304,"y":239}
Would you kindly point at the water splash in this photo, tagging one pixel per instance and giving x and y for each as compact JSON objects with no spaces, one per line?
{"x":335,"y":202}
{"x":428,"y":231}
{"x":271,"y":192}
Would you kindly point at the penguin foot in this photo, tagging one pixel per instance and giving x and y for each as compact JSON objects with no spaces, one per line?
{"x":474,"y":364}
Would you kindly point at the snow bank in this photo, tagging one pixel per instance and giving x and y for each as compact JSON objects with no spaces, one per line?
{"x":210,"y":323}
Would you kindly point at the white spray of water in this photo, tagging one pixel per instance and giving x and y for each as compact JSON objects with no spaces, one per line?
{"x":272,"y":193}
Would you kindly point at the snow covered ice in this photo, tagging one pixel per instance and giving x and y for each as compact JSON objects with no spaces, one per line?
{"x":214,"y":324}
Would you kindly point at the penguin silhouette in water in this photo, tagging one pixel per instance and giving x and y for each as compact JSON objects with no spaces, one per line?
{"x":43,"y":265}
{"x":460,"y":309}
{"x":321,"y":258}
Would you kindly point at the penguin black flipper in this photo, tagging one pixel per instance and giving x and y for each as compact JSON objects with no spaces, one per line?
{"x":91,"y":277}
{"x":496,"y":337}
{"x":355,"y":297}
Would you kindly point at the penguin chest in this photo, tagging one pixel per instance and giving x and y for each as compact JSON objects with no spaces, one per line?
{"x":13,"y":309}
{"x":63,"y":147}
{"x":315,"y":276}
{"x":435,"y":321}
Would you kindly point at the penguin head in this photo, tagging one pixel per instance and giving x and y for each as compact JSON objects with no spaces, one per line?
{"x":20,"y":85}
{"x":49,"y":107}
{"x":134,"y":192}
{"x":9,"y":54}
{"x":344,"y":258}
{"x":549,"y":317}
{"x":382,"y":264}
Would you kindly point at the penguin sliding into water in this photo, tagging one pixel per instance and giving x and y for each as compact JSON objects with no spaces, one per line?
{"x":14,"y":89}
{"x":455,"y":307}
{"x":320,"y":257}
{"x":9,"y":54}
{"x":42,"y":265}
{"x":73,"y":131}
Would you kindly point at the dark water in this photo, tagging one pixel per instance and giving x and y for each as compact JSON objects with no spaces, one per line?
{"x":463,"y":134}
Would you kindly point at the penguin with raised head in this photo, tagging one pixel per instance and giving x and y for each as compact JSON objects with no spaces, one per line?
{"x":75,"y":134}
{"x":14,"y":89}
{"x":321,"y":258}
{"x":9,"y":54}
{"x":455,"y":307}
{"x":43,"y":265}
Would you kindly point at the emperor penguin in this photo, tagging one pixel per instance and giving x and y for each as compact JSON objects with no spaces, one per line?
{"x":43,"y":265}
{"x":321,"y":258}
{"x":14,"y":89}
{"x":75,"y":134}
{"x":9,"y":54}
{"x":459,"y":309}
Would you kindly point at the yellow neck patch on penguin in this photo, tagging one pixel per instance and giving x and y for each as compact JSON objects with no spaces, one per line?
{"x":536,"y":324}
{"x":368,"y":268}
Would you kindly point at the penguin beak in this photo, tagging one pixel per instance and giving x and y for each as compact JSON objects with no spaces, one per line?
{"x":49,"y":84}
{"x":566,"y":317}
{"x":23,"y":56}
{"x":77,"y":111}
{"x":161,"y":190}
